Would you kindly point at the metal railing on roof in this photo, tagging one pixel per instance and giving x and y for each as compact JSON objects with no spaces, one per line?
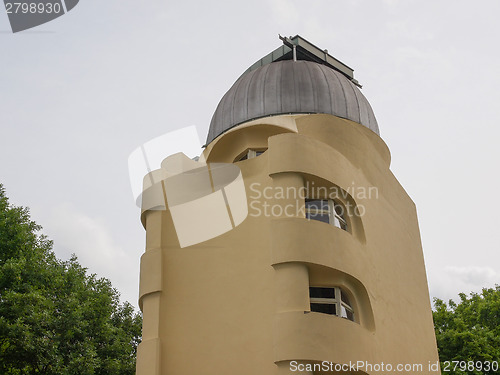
{"x":298,"y":48}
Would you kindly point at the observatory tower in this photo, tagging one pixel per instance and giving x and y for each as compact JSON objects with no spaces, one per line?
{"x":324,"y":273}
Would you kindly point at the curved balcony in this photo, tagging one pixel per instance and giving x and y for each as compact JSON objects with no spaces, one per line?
{"x":332,"y":255}
{"x":314,"y":337}
{"x":297,"y":153}
{"x":310,"y":241}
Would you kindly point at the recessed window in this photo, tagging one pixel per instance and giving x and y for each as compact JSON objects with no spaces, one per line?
{"x":250,"y":153}
{"x":332,"y":301}
{"x":327,"y":211}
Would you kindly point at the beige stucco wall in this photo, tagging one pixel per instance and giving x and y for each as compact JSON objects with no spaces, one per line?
{"x":239,"y":303}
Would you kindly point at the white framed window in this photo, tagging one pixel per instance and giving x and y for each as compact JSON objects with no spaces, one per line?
{"x":327,"y":211}
{"x":330,"y":300}
{"x":250,"y":153}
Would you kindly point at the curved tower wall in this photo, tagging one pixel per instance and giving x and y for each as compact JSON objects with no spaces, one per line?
{"x":240,"y":303}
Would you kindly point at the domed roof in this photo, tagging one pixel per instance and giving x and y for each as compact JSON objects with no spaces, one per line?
{"x":288,"y":86}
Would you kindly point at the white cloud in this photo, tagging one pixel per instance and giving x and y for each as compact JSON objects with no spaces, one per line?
{"x":446,"y":283}
{"x":286,"y":11}
{"x":473,"y":276}
{"x":408,"y":30}
{"x":96,"y":249}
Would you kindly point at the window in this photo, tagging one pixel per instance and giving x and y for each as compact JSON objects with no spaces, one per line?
{"x":327,"y":211}
{"x":332,"y":301}
{"x":249,"y":154}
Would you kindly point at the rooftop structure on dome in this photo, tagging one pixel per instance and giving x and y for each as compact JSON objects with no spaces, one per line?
{"x":296,"y":78}
{"x":297,"y":48}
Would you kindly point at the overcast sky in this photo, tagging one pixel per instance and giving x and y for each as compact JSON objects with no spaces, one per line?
{"x":79,"y":94}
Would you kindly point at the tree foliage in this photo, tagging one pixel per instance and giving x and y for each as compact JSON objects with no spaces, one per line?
{"x":469,"y":330}
{"x":54,"y":317}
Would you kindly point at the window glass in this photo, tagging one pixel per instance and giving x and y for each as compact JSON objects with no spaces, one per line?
{"x":330,"y":300}
{"x":317,"y":204}
{"x":324,"y":308}
{"x":250,"y":153}
{"x":318,"y":292}
{"x":326,"y":211}
{"x":344,"y":298}
{"x":325,"y":218}
{"x":339,"y":210}
{"x":350,"y":315}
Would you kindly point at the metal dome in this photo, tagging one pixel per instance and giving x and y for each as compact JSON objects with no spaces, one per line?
{"x":289,"y":86}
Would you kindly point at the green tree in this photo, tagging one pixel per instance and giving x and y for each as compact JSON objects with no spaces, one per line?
{"x":54,"y":317}
{"x":469,"y":331}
